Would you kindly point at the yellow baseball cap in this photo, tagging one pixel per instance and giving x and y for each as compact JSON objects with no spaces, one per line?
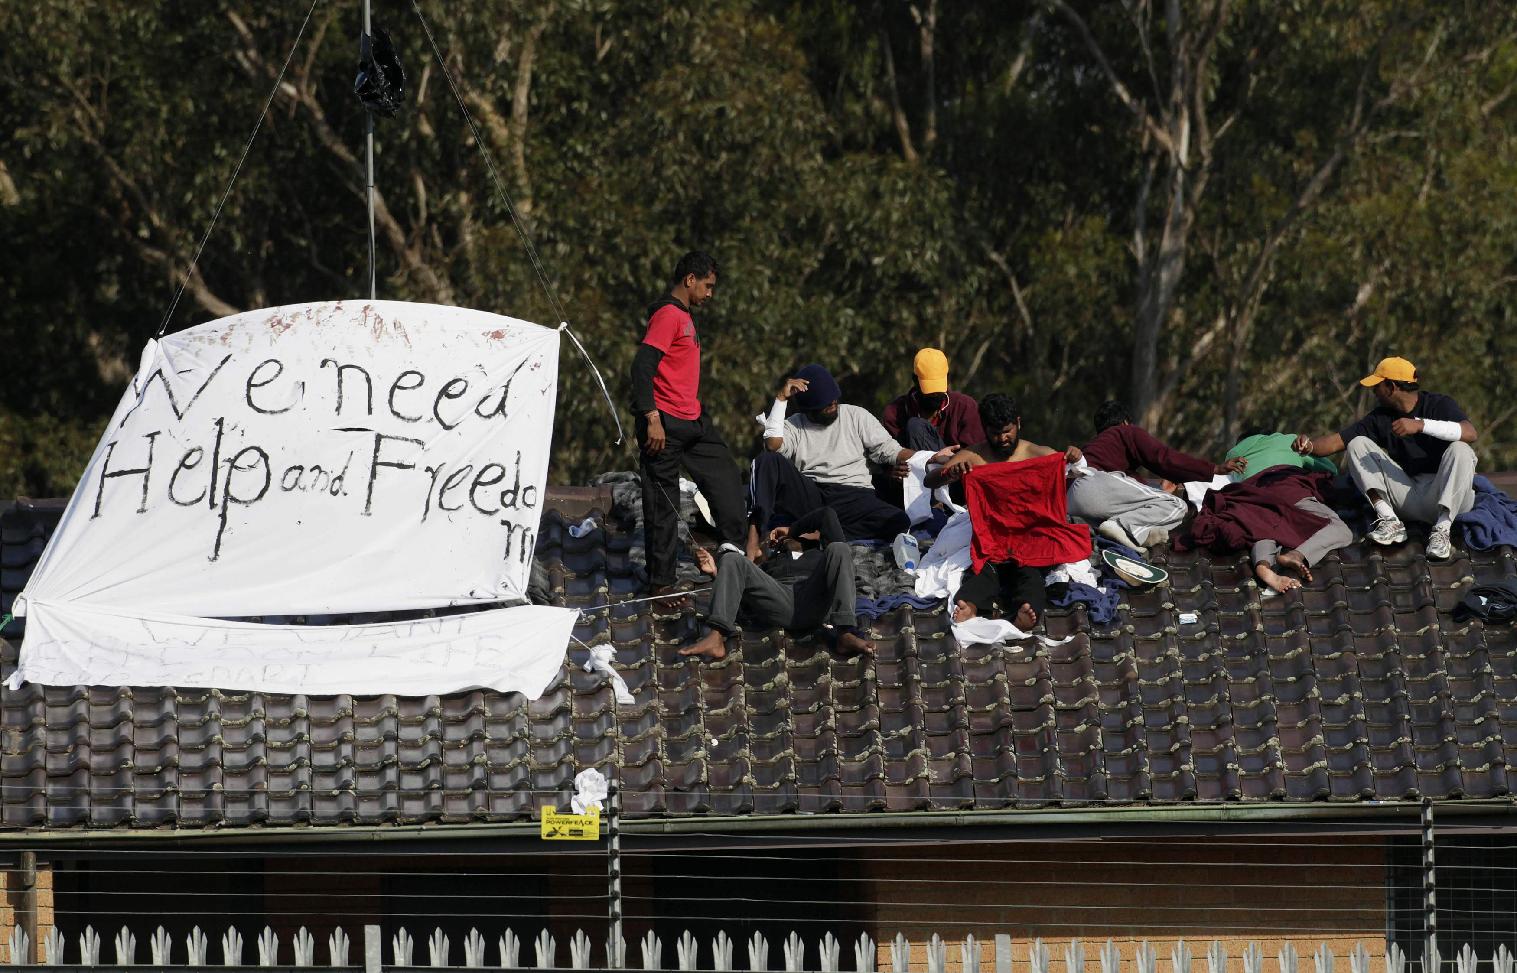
{"x":931,"y":367}
{"x":1395,"y":369}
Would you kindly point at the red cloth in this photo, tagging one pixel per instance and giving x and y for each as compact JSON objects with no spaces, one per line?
{"x":1259,"y":508}
{"x":677,"y":383}
{"x":1019,"y":514}
{"x":1126,"y":448}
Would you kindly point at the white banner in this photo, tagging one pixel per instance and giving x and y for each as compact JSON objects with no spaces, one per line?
{"x":311,"y":459}
{"x":506,"y":649}
{"x":318,"y":458}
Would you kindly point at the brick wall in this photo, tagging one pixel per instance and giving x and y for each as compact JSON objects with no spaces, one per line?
{"x":1236,"y":890}
{"x":14,"y":905}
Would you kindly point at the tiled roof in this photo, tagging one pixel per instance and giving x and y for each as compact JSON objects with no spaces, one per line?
{"x":1359,"y":688}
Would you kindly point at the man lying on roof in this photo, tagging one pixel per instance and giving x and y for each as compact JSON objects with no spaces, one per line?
{"x":1112,"y":497}
{"x":801,"y":590}
{"x":1279,"y":512}
{"x":820,"y":456}
{"x":1015,"y":589}
{"x":1410,"y":456}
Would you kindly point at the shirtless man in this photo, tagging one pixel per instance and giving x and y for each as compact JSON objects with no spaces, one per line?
{"x":1016,"y":588}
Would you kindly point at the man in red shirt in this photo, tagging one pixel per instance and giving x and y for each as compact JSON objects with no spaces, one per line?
{"x":672,"y":428}
{"x":1110,"y":495}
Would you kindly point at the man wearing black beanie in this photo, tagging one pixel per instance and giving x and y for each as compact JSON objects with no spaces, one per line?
{"x":820,"y":456}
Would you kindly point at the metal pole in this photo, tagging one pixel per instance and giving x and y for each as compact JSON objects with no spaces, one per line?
{"x":368,"y":131}
{"x":615,"y":946}
{"x":1429,"y":889}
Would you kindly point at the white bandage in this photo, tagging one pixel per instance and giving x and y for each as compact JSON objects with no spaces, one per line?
{"x":774,"y":422}
{"x":1445,"y":429}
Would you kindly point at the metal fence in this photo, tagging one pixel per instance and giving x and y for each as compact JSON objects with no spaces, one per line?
{"x":828,"y":954}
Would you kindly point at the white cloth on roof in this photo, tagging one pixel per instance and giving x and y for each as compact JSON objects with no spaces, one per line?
{"x":945,"y":562}
{"x":918,"y":499}
{"x":1196,"y":490}
{"x":988,"y":631}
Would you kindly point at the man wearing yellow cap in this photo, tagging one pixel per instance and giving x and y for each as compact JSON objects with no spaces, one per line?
{"x":1410,"y":456}
{"x":930,"y":416}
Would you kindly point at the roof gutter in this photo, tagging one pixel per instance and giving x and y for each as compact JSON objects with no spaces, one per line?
{"x":879,"y":825}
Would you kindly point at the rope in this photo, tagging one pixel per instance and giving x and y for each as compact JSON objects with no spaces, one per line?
{"x":521,"y":231}
{"x":516,"y":223}
{"x":564,"y":327}
{"x":190,"y":270}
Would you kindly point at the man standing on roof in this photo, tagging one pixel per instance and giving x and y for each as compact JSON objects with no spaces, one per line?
{"x":820,"y":457}
{"x":1410,"y":456}
{"x":931,"y":415}
{"x":672,"y":428}
{"x":1112,"y":497}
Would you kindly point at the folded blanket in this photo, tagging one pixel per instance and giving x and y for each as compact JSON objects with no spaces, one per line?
{"x":1492,"y":521}
{"x":875,"y":607}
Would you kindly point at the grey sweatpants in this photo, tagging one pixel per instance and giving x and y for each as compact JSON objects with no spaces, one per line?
{"x":1137,"y":507}
{"x":827,"y":594}
{"x":1419,"y":498}
{"x":1333,"y":535}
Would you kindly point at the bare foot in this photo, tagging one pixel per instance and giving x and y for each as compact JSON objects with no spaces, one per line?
{"x":1274,"y":580}
{"x":963,"y":611}
{"x":852,"y":643}
{"x":713,"y":645}
{"x":1293,"y":561}
{"x":1026,"y":618}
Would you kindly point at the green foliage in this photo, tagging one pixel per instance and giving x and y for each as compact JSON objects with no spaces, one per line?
{"x":861,"y":200}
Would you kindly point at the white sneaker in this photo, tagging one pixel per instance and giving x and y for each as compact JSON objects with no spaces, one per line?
{"x":1388,"y":530}
{"x":1114,"y":531}
{"x":1439,"y":545}
{"x":1156,"y":537}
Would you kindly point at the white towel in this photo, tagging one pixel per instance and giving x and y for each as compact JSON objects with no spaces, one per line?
{"x":945,"y":562}
{"x":918,"y":499}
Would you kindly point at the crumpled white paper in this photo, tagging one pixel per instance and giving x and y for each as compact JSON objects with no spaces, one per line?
{"x":582,"y":528}
{"x":590,"y":789}
{"x":600,"y":661}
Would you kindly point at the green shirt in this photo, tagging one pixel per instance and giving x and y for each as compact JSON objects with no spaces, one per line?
{"x":1274,"y":449}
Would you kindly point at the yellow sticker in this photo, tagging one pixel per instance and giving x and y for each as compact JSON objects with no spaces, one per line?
{"x":557,"y":826}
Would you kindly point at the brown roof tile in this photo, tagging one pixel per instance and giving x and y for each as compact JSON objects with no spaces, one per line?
{"x":1359,"y":687}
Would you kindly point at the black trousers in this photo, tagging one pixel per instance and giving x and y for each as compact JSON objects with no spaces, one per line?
{"x":781,"y":495}
{"x":1008,"y":585}
{"x":699,"y":448}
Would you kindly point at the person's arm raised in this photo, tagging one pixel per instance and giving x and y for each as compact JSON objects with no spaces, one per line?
{"x":774,"y":423}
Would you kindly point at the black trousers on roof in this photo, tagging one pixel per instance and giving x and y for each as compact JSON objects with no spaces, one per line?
{"x":699,"y":448}
{"x":782,"y":494}
{"x":1008,"y":585}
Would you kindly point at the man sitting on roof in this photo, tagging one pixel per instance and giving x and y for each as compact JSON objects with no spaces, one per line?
{"x":801,"y":590}
{"x":931,"y":416}
{"x":1112,"y":497}
{"x":1410,"y":456}
{"x":1016,"y":589}
{"x":820,"y":456}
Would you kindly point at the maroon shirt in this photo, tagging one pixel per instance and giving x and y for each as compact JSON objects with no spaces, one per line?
{"x":958,"y":422}
{"x":1125,"y":448}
